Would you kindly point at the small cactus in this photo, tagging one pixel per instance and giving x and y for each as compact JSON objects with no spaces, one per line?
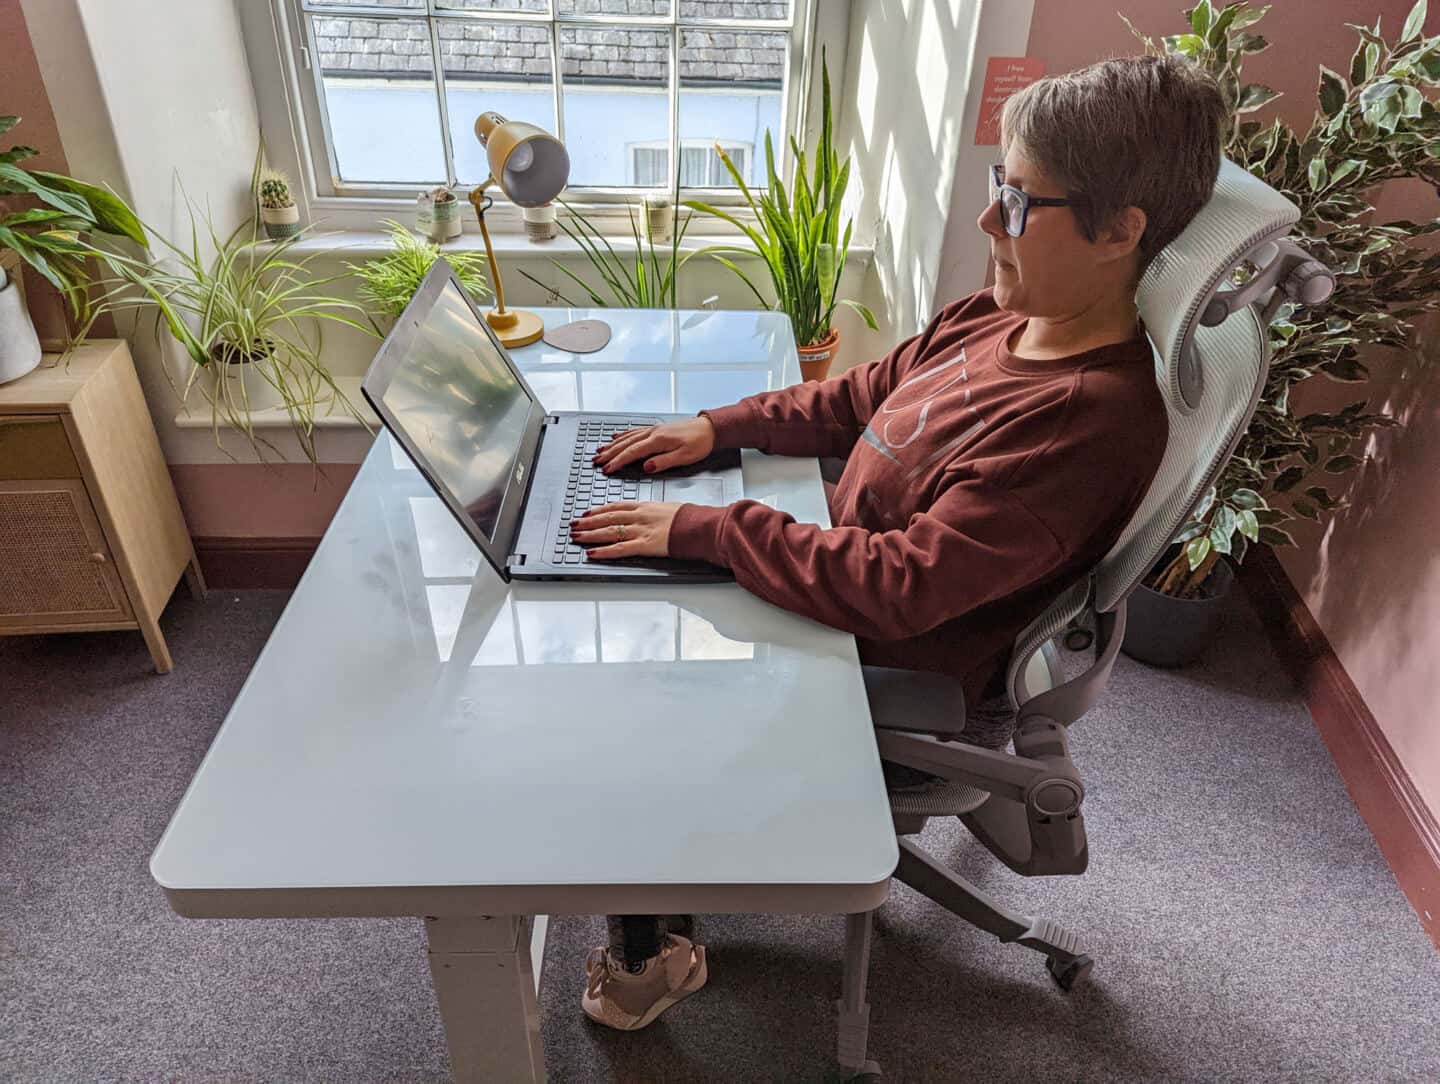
{"x":275,"y":190}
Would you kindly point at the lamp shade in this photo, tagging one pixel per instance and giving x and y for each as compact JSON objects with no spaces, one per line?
{"x":529,"y":164}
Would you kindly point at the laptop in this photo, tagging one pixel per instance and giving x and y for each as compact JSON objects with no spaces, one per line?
{"x":512,"y":473}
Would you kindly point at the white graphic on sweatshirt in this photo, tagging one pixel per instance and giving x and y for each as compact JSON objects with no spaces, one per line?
{"x":905,"y":413}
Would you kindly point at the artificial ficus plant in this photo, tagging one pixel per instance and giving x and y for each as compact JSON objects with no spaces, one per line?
{"x":1372,"y":124}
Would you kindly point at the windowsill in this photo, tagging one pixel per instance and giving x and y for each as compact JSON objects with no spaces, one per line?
{"x":329,"y":415}
{"x":375,"y":243}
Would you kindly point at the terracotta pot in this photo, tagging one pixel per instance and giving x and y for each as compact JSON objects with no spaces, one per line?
{"x":815,"y":359}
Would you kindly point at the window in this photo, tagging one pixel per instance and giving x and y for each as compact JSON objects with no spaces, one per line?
{"x":700,"y":166}
{"x":386,"y":91}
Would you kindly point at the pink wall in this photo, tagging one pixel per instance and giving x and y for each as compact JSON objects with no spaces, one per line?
{"x":22,"y":94}
{"x":1372,"y":577}
{"x":248,"y":500}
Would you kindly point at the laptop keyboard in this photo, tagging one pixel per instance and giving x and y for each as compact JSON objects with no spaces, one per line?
{"x":588,"y":486}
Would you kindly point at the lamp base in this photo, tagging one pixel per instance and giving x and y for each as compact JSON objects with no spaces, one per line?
{"x":515,"y":327}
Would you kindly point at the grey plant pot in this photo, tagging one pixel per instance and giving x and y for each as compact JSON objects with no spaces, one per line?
{"x":19,"y":345}
{"x":1166,"y":631}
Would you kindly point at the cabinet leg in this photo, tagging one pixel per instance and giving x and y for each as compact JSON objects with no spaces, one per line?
{"x":194,"y":578}
{"x":155,"y":641}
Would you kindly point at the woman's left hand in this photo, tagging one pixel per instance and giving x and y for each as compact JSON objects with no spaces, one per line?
{"x":626,"y":529}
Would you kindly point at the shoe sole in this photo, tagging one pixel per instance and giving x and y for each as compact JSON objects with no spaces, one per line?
{"x":693,"y":982}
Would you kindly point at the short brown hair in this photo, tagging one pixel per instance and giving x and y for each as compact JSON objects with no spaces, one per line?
{"x":1139,"y":131}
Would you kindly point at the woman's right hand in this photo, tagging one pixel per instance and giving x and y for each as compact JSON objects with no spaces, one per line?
{"x":659,"y":447}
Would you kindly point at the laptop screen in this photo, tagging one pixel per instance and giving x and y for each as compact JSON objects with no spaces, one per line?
{"x":459,"y":402}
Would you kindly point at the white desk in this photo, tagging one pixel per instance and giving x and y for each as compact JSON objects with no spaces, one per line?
{"x":418,"y":739}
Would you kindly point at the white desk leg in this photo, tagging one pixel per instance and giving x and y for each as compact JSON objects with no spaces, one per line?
{"x":486,"y":980}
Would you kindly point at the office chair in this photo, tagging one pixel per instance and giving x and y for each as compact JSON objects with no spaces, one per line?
{"x":1211,"y":357}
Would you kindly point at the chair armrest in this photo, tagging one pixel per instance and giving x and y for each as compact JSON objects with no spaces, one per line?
{"x":1032,"y":820}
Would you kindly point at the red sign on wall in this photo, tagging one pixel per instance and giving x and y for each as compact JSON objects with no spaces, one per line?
{"x":1004,"y":75}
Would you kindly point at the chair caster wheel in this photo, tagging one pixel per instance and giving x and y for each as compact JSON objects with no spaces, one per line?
{"x":1079,"y":639}
{"x":1069,"y":973}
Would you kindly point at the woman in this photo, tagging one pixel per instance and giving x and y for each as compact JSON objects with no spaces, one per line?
{"x":990,"y":460}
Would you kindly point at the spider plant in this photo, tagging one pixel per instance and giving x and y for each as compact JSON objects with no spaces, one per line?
{"x":639,"y":282}
{"x":252,"y":308}
{"x":796,"y":233}
{"x":388,"y":283}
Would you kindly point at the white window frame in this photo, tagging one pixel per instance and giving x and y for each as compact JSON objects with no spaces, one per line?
{"x":277,"y":43}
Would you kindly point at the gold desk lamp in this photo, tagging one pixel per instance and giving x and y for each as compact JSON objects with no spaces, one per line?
{"x":531,"y":167}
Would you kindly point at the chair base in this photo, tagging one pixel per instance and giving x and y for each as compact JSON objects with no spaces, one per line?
{"x":1068,"y":965}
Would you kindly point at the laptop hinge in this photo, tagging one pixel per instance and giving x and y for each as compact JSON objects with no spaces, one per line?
{"x":552,"y":419}
{"x":515,"y":560}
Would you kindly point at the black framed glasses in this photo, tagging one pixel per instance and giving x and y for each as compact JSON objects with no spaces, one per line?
{"x":1015,"y":203}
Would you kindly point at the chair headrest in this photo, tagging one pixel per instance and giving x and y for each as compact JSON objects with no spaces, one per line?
{"x":1238,"y":222}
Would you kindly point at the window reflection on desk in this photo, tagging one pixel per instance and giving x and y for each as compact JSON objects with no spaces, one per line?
{"x":541,"y":632}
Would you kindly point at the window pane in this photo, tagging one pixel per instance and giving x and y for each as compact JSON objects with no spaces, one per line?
{"x":616,"y":95}
{"x":366,"y":3}
{"x":495,"y":5}
{"x":503,"y":67}
{"x":731,"y":85}
{"x":650,"y":166}
{"x":734,"y":9}
{"x":379,"y":95}
{"x":614,"y":7}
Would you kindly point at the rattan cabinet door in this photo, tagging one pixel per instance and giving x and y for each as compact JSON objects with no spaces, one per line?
{"x":55,"y":568}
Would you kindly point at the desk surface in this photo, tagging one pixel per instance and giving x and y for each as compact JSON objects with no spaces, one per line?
{"x":418,"y":738}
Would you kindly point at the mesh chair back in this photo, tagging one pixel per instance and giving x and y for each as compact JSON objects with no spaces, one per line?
{"x":1209,"y":377}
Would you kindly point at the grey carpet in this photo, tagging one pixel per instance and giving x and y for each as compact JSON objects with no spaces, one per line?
{"x":1245,"y":926}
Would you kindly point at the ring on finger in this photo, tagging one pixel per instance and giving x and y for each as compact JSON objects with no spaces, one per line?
{"x":620,"y":532}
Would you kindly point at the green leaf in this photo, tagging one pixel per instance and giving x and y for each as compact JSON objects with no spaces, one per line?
{"x":7,"y":122}
{"x":1248,"y":16}
{"x":1191,"y":45}
{"x":1219,"y":540}
{"x":1332,"y":92}
{"x":1319,"y":174}
{"x":1289,"y":478}
{"x":1197,"y":550}
{"x":1200,"y":16}
{"x":1253,"y":96}
{"x":29,"y":182}
{"x":112,"y":215}
{"x":1372,"y":59}
{"x":1246,"y":499}
{"x":1248,"y":525}
{"x":1274,"y":536}
{"x":1414,"y":22}
{"x":1341,"y":464}
{"x":1305,"y":509}
{"x":1345,"y":168}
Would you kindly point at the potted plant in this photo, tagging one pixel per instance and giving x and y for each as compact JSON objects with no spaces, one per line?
{"x":797,"y":233}
{"x":437,"y":213}
{"x":643,"y":281}
{"x":249,"y":314}
{"x":277,"y":206}
{"x":48,"y":238}
{"x":389,"y":282}
{"x":1372,"y":125}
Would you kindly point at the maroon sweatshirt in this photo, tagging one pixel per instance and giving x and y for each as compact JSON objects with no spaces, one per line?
{"x":978,"y":485}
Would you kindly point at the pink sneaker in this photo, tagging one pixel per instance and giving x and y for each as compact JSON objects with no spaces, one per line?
{"x":628,"y":1002}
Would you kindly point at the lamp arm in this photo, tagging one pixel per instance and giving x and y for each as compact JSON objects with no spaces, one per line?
{"x":480,"y":202}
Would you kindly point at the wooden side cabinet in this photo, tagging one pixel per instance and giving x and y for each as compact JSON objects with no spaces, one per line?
{"x":91,"y":532}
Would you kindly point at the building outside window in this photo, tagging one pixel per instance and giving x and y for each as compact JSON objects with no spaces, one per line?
{"x":390,"y":88}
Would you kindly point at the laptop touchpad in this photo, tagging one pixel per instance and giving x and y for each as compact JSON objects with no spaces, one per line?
{"x":695,"y":490}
